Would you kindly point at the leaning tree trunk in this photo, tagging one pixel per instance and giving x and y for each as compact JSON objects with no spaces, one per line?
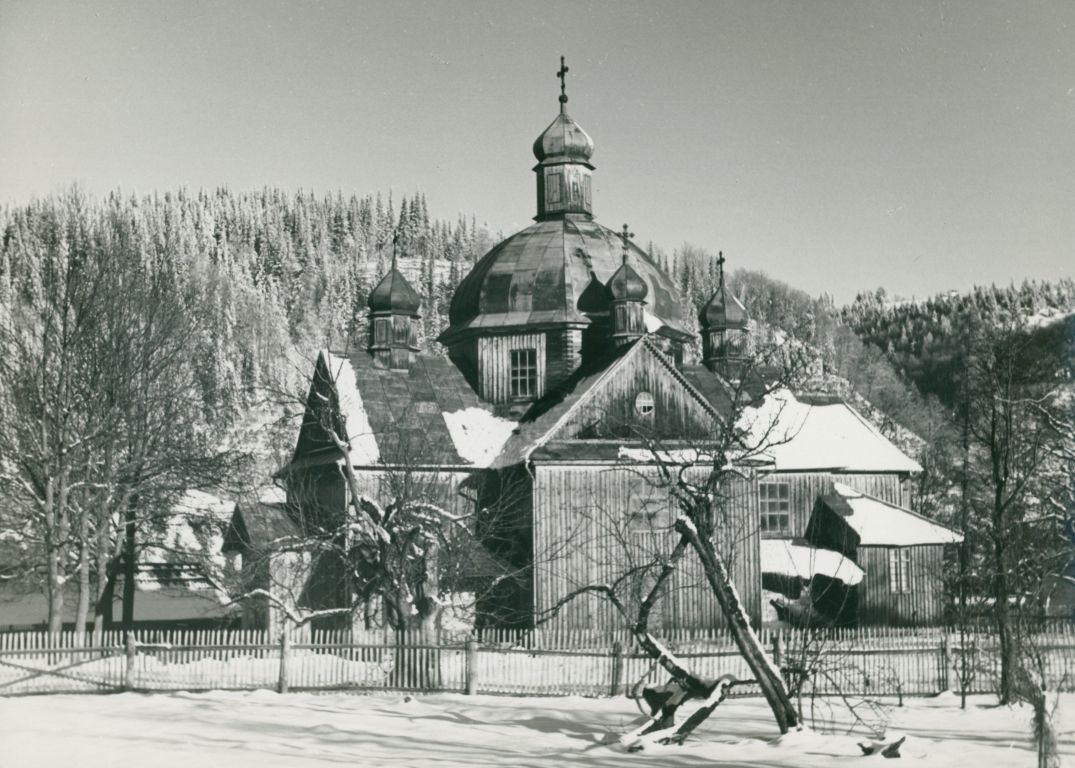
{"x":765,"y":672}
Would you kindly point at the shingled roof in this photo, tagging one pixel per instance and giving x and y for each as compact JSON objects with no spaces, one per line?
{"x":539,"y":274}
{"x":255,"y":526}
{"x":426,"y":415}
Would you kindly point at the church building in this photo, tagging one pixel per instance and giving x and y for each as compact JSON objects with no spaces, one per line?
{"x":564,"y":382}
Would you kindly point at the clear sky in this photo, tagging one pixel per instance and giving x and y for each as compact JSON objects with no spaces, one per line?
{"x":836,"y":145}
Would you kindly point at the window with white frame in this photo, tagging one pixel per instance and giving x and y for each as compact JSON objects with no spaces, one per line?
{"x":523,"y":372}
{"x":899,"y":570}
{"x":774,"y":506}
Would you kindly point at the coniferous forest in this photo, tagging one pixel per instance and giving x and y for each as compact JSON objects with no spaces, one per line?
{"x":149,"y":345}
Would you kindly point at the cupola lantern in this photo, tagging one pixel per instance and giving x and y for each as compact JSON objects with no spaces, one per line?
{"x":724,"y":322}
{"x":563,"y":152}
{"x":627,"y":293}
{"x":393,"y":306}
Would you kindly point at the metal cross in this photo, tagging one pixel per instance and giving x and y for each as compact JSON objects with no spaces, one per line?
{"x":562,"y":74}
{"x":720,"y":263}
{"x":626,"y":235}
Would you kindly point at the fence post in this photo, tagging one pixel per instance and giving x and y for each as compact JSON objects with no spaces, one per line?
{"x":472,"y":666}
{"x":285,"y":650}
{"x":617,"y":669}
{"x":778,"y":650}
{"x":132,"y":655}
{"x":943,"y":677}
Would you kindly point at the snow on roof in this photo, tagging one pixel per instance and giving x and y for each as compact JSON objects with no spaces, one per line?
{"x":653,"y":323}
{"x":359,"y":432}
{"x":800,"y":436}
{"x":201,"y":504}
{"x":783,"y":557}
{"x":672,"y":456}
{"x":879,"y":523}
{"x":272,"y":494}
{"x":478,"y":435}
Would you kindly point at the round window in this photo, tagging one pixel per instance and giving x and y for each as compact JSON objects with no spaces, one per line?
{"x":644,"y":403}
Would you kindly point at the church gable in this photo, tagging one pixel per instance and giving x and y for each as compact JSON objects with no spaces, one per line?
{"x":641,"y":396}
{"x":635,"y":392}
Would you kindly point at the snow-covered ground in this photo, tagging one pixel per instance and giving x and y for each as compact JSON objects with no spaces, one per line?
{"x":265,"y":729}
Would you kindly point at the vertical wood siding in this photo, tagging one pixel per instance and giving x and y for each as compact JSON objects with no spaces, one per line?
{"x":494,"y":364}
{"x":609,"y":411}
{"x":594,"y":523}
{"x":922,"y":605}
{"x":805,"y":487}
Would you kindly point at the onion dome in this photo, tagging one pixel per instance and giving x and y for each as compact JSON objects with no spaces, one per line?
{"x":394,"y":295}
{"x":563,"y":141}
{"x":723,"y":310}
{"x":626,"y":284}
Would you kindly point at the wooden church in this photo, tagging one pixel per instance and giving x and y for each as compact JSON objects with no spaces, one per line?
{"x":563,"y":364}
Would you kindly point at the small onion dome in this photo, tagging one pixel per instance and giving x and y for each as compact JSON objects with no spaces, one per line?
{"x":394,"y":295}
{"x":723,"y":310}
{"x":626,"y":285}
{"x":563,"y":140}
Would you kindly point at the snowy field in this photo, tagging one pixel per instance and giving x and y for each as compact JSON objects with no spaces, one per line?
{"x":260,"y":728}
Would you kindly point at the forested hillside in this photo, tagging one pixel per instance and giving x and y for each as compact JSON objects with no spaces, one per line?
{"x":923,"y":338}
{"x":149,"y":345}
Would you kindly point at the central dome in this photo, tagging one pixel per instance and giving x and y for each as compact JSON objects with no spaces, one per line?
{"x":537,"y":276}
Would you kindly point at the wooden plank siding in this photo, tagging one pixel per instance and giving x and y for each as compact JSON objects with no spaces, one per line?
{"x":805,"y":487}
{"x":609,"y":410}
{"x":494,"y":365}
{"x":923,"y":605}
{"x":592,"y":523}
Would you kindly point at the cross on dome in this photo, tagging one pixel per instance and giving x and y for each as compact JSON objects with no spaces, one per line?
{"x":562,"y":74}
{"x":626,"y":235}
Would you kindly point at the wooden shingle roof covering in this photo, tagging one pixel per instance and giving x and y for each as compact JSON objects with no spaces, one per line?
{"x":538,"y":276}
{"x":256,"y":526}
{"x":394,"y":294}
{"x":710,"y":386}
{"x":405,"y":408}
{"x":626,"y":285}
{"x":724,"y":310}
{"x":564,"y":140}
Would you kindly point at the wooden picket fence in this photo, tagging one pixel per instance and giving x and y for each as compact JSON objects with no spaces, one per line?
{"x":874,"y":661}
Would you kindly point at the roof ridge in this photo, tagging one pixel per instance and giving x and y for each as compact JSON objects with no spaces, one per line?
{"x":678,"y":376}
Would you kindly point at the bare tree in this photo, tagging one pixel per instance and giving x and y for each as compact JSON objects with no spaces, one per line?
{"x":104,"y":419}
{"x":1012,"y":481}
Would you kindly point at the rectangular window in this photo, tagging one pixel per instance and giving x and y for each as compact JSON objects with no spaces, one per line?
{"x":523,"y":372}
{"x":899,"y":570}
{"x":552,"y":188}
{"x":774,"y":504}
